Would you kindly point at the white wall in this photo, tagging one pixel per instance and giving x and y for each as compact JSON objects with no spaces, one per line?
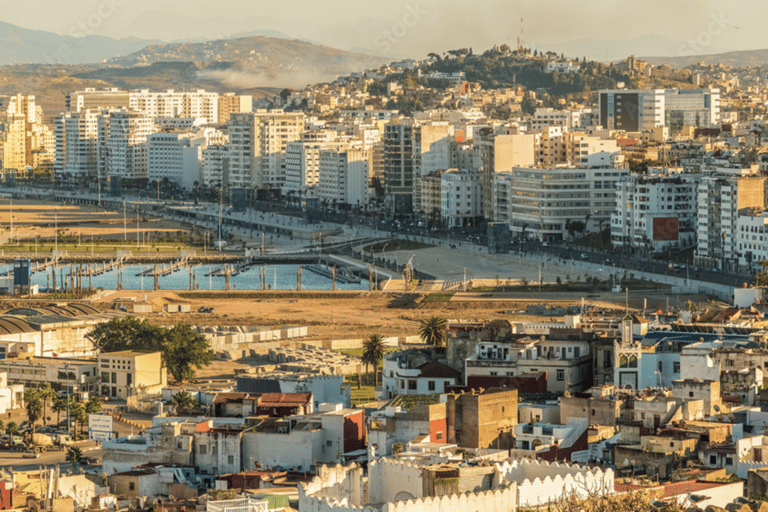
{"x":388,"y":478}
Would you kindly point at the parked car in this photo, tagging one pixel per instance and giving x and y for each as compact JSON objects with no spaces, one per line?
{"x":30,"y":454}
{"x":584,"y":256}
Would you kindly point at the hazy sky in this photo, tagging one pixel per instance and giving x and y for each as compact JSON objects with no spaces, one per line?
{"x":407,"y":27}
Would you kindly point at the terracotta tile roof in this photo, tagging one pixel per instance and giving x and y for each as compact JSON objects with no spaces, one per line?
{"x":223,"y":398}
{"x":672,"y":489}
{"x":284,"y":399}
{"x":439,"y":371}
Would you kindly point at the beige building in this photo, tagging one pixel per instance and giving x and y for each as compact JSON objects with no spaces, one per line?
{"x":128,"y":373}
{"x":231,"y":103}
{"x":499,"y":154}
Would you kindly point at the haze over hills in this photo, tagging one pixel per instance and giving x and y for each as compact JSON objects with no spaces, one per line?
{"x":24,"y":46}
{"x":743,"y":58}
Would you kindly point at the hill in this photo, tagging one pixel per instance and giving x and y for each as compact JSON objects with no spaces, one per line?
{"x":249,"y":61}
{"x":24,"y":46}
{"x":746,"y":58}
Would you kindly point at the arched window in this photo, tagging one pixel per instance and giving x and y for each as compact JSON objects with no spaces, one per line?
{"x":623,"y":361}
{"x":633,"y":361}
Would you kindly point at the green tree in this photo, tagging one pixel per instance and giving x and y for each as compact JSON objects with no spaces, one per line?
{"x":75,"y":412}
{"x":59,"y":405}
{"x":183,"y":400}
{"x":34,"y":406}
{"x":47,"y":395}
{"x":74,"y":456}
{"x":373,"y":353}
{"x":93,"y":405}
{"x":11,"y":428}
{"x":2,"y":426}
{"x":432,"y":330}
{"x":183,"y":349}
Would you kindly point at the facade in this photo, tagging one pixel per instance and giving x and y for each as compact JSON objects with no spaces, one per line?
{"x":500,"y":154}
{"x":76,"y":136}
{"x":175,"y":157}
{"x":231,"y":103}
{"x":656,"y":210}
{"x":93,"y":99}
{"x":541,"y":203}
{"x":257,"y":144}
{"x":637,"y":110}
{"x":344,"y":176}
{"x":122,"y":148}
{"x":79,"y":374}
{"x":461,"y":199}
{"x":432,"y":148}
{"x":127,"y":373}
{"x":215,"y":165}
{"x":399,"y":166}
{"x":415,"y":373}
{"x":302,"y":166}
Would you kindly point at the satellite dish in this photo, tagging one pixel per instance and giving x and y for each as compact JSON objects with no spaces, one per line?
{"x":611,"y":397}
{"x":716,"y":408}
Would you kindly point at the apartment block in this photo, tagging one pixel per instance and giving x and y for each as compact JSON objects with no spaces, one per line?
{"x":122,"y":149}
{"x":344,"y":175}
{"x":541,"y":203}
{"x":231,"y":103}
{"x":499,"y":153}
{"x":656,"y":210}
{"x":76,"y":144}
{"x":175,"y":156}
{"x":461,"y":198}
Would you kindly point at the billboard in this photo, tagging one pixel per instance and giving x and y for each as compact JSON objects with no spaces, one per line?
{"x":99,"y":427}
{"x":665,"y":229}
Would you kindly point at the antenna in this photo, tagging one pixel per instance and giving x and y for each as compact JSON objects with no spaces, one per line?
{"x":521,"y":39}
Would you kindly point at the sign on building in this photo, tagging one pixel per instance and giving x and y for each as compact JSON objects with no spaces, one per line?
{"x":100,"y":427}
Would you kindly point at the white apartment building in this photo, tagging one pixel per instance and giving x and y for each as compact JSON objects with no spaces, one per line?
{"x":122,"y":149}
{"x":302,"y":166}
{"x":257,"y":144}
{"x":562,"y":67}
{"x":546,"y":117}
{"x":541,"y":203}
{"x":656,"y":211}
{"x":215,"y":166}
{"x":175,"y":156}
{"x":461,"y":197}
{"x":720,"y":198}
{"x":432,"y":151}
{"x":636,"y":110}
{"x":76,"y":144}
{"x":93,"y":99}
{"x":344,"y":175}
{"x":589,"y":151}
{"x":752,"y":237}
{"x":196,"y":104}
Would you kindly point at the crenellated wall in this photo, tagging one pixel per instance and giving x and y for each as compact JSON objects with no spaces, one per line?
{"x":393,"y":480}
{"x":541,"y":482}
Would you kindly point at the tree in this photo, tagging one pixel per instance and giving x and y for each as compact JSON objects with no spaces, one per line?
{"x":2,"y":426}
{"x":75,"y":409}
{"x":59,"y":405}
{"x":47,"y":394}
{"x":34,"y":406}
{"x":11,"y":429}
{"x":184,"y":348}
{"x":93,"y":405}
{"x":181,"y":347}
{"x":373,"y":353}
{"x":183,"y":400}
{"x":432,"y":330}
{"x":74,"y":456}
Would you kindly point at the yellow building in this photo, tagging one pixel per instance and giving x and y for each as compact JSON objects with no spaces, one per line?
{"x":128,"y":373}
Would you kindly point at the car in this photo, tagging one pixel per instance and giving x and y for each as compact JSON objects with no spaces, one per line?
{"x":30,"y":454}
{"x":545,"y":244}
{"x":91,"y":460}
{"x":584,"y":256}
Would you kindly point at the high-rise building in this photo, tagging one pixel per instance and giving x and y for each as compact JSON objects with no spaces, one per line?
{"x":257,"y":144}
{"x":302,"y":166}
{"x":501,"y":153}
{"x":461,"y":198}
{"x":215,"y":167}
{"x":122,"y":149}
{"x":399,"y":166}
{"x":175,"y":156}
{"x":97,"y":99}
{"x":432,"y":148}
{"x":231,"y":103}
{"x":344,"y":175}
{"x":76,"y":135}
{"x":22,"y":134}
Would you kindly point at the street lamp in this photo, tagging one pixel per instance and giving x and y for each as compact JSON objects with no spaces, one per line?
{"x":66,"y":369}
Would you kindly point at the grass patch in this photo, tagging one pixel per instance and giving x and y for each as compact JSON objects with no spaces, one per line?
{"x":439,"y":297}
{"x":366,"y":393}
{"x":281,"y":294}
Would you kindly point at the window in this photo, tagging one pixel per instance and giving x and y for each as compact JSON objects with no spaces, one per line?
{"x":713,"y":459}
{"x":431,"y":385}
{"x":439,"y":436}
{"x":560,"y":375}
{"x":402,"y":384}
{"x":411,"y":384}
{"x":230,"y":459}
{"x":329,"y":443}
{"x":114,"y":377}
{"x":202,"y":449}
{"x":593,"y":412}
{"x":676,"y":367}
{"x":131,"y":486}
{"x":728,"y":461}
{"x":690,"y":394}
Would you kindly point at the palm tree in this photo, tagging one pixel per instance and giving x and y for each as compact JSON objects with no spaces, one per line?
{"x":183,"y":400}
{"x":74,"y":412}
{"x":11,"y":429}
{"x":432,"y":330}
{"x":59,"y":405}
{"x":93,"y":405}
{"x":373,"y":353}
{"x":75,"y":456}
{"x":34,"y":407}
{"x":2,"y":426}
{"x":46,"y":394}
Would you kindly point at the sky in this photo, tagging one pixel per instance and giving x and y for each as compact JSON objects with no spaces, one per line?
{"x":413,"y":28}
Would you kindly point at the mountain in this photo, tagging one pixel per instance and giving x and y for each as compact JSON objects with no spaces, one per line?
{"x":246,"y":62}
{"x":24,"y":46}
{"x":744,"y":58}
{"x":607,"y":50}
